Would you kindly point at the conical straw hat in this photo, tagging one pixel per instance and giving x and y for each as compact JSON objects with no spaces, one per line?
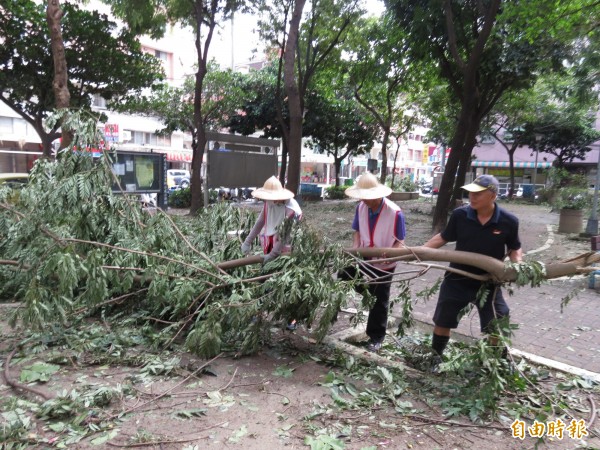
{"x":272,"y":190}
{"x":368,"y":188}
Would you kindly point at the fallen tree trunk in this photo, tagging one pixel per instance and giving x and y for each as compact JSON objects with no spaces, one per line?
{"x":497,"y":270}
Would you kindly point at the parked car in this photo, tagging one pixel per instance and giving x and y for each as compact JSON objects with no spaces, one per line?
{"x":14,"y":179}
{"x":178,"y":178}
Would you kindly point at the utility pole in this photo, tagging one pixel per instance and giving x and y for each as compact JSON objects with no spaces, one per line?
{"x":538,"y":138}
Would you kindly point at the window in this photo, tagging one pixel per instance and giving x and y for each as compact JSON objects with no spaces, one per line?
{"x":163,"y":56}
{"x":20,"y":127}
{"x":139,"y":137}
{"x":149,"y":139}
{"x":164,"y":141}
{"x":486,"y":139}
{"x":508,"y":137}
{"x":99,"y":102}
{"x":6,"y":125}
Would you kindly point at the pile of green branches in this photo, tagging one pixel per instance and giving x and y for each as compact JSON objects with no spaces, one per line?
{"x":70,"y":248}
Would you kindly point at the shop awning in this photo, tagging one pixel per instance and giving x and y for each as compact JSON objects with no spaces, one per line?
{"x":517,"y":164}
{"x":179,"y":157}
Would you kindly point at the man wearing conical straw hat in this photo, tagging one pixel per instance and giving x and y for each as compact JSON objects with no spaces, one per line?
{"x":378,"y":222}
{"x":279,"y":204}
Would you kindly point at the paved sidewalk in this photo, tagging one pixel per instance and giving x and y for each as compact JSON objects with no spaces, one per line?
{"x":570,"y":336}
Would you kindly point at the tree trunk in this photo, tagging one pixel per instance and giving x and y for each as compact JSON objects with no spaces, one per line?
{"x":294,"y":100}
{"x":467,"y":80}
{"x":511,"y":167}
{"x":284,"y":161}
{"x":60,"y":84}
{"x":337,"y":164}
{"x":384,"y":143}
{"x":200,"y":143}
{"x":495,"y":269}
{"x":204,"y":14}
{"x":452,"y":179}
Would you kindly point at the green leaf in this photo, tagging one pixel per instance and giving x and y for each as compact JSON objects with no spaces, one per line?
{"x":239,"y":434}
{"x":39,"y":371}
{"x":100,"y":440}
{"x":283,"y":371}
{"x":324,"y":442}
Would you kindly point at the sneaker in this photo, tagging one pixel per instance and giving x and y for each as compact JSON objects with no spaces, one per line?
{"x":374,"y":346}
{"x":436,"y":361}
{"x":292,"y":325}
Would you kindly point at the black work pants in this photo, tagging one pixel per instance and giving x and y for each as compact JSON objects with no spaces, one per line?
{"x":380,"y":289}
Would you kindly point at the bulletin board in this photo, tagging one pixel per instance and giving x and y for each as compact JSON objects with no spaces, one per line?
{"x":141,"y":173}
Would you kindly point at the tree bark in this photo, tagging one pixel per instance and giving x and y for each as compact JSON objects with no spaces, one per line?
{"x":496,"y":269}
{"x":294,"y":101}
{"x":60,"y":85}
{"x":202,"y":15}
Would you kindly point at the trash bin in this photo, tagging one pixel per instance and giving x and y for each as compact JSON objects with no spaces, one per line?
{"x":349,"y":182}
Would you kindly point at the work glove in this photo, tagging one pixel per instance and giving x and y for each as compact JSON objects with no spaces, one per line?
{"x":268,"y":257}
{"x":246,"y":248}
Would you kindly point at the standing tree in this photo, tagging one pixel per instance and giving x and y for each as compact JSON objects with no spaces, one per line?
{"x":552,"y":110}
{"x":61,"y":76}
{"x":510,"y":115}
{"x":222,"y":96}
{"x":382,"y":77}
{"x":565,"y":134}
{"x":260,"y":109}
{"x":336,"y":126}
{"x":202,"y":17}
{"x":304,"y":48}
{"x":27,"y":65}
{"x":482,"y":52}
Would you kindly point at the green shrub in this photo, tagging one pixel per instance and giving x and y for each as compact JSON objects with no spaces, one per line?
{"x":181,"y":198}
{"x":573,"y":198}
{"x":336,"y":192}
{"x":405,"y":184}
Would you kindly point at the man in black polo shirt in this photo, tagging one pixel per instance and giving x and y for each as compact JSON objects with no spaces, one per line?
{"x":480,"y":227}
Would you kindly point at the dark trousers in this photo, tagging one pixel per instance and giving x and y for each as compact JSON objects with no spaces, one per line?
{"x":380,"y":289}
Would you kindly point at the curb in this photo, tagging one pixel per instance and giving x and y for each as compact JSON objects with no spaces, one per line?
{"x":340,"y":340}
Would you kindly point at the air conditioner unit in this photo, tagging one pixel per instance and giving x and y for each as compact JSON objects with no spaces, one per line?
{"x":126,"y":135}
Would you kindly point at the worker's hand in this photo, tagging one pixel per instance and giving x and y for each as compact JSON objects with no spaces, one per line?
{"x":268,"y":257}
{"x":246,"y":248}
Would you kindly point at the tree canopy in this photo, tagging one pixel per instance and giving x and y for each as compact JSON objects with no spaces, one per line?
{"x":152,"y":16}
{"x":101,"y":59}
{"x":383,"y":80}
{"x":223,"y":95}
{"x":482,"y":52}
{"x":337,"y":125}
{"x":305,"y":47}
